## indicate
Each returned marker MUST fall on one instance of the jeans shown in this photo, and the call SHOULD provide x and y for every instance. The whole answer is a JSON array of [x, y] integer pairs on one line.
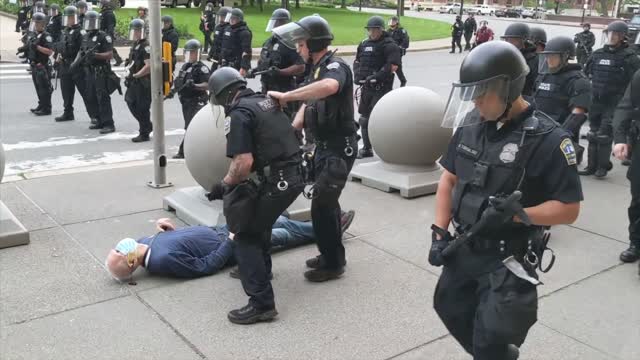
[[291, 233]]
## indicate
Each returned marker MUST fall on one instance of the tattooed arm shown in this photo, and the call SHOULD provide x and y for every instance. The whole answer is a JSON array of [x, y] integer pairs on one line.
[[239, 169]]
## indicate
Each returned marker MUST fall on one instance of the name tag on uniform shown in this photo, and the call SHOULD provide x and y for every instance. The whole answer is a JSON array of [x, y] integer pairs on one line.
[[227, 125], [276, 47], [544, 86], [605, 62], [189, 69], [227, 33], [217, 32], [267, 104], [368, 48], [71, 32], [467, 150]]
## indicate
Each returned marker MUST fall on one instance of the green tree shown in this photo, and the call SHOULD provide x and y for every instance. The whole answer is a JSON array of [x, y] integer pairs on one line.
[[604, 7]]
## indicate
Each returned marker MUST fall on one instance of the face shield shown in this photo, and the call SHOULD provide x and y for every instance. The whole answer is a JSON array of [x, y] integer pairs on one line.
[[373, 33], [209, 7], [68, 20], [38, 8], [290, 34], [551, 63], [472, 103], [637, 40], [53, 12], [227, 18], [393, 23], [612, 38], [32, 26], [136, 34], [191, 56], [272, 24], [91, 24]]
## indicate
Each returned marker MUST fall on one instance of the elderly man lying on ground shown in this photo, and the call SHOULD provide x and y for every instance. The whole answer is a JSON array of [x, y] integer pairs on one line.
[[195, 251]]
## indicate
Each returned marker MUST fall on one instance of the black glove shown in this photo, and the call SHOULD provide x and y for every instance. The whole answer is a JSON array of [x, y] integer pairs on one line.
[[435, 253], [216, 192], [188, 84], [127, 62], [371, 79], [250, 74], [273, 71]]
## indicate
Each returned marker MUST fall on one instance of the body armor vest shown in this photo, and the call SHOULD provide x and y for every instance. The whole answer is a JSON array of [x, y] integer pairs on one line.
[[231, 46], [271, 55], [371, 58], [552, 94], [607, 73], [90, 40], [137, 56], [187, 72], [35, 56], [72, 41], [274, 137]]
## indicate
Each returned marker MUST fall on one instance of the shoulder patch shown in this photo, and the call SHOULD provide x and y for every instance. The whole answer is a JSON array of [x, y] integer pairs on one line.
[[204, 69], [404, 31], [94, 39], [333, 65], [147, 49], [49, 38], [108, 38], [83, 32], [566, 146], [227, 125]]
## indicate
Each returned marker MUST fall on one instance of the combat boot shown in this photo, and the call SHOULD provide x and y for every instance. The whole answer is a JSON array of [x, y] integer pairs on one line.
[[592, 155], [323, 274], [140, 138], [251, 315], [365, 153], [42, 112], [604, 163], [35, 109], [632, 254], [107, 129], [513, 353], [65, 117]]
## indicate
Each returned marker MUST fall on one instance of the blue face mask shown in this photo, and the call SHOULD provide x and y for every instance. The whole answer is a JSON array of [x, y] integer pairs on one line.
[[126, 246]]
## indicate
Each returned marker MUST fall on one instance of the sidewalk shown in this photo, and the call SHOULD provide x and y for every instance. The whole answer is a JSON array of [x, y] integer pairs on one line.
[[58, 302]]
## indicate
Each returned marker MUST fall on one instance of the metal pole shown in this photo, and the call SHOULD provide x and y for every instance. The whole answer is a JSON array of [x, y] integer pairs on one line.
[[615, 8], [360, 6], [157, 84]]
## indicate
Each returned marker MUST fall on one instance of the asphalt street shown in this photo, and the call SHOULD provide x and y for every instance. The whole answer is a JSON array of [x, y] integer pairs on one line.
[[37, 144]]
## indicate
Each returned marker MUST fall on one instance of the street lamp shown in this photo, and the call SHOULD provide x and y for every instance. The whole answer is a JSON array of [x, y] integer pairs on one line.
[[584, 9]]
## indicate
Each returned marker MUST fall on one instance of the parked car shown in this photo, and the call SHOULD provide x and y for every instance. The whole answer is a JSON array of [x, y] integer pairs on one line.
[[528, 13], [634, 28], [450, 8], [174, 3], [482, 10], [500, 13], [512, 13]]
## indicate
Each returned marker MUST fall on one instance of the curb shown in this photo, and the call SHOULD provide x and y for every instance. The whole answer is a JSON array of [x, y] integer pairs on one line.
[[15, 17]]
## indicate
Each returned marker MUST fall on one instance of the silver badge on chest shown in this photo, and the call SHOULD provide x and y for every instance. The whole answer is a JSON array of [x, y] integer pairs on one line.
[[509, 152]]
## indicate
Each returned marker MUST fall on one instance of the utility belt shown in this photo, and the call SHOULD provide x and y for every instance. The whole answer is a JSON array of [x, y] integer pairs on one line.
[[39, 66], [280, 174], [346, 145]]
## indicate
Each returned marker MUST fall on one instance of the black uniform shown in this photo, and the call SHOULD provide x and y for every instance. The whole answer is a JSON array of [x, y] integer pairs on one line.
[[192, 99], [236, 40], [470, 27], [476, 294], [256, 125], [22, 24], [274, 53], [170, 35], [215, 53], [610, 69], [40, 69], [627, 128], [331, 122], [96, 73], [530, 55], [456, 35], [81, 19], [55, 27], [138, 95], [584, 45], [401, 37], [374, 59], [108, 25], [210, 22], [72, 79]]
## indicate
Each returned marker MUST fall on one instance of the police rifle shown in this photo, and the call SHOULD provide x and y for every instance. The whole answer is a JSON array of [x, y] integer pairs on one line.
[[173, 91], [510, 206], [80, 58]]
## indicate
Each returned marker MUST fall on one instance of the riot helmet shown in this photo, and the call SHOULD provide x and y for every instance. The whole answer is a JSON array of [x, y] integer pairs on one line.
[[91, 21], [538, 36], [492, 77], [278, 17], [221, 17], [82, 6], [208, 7], [70, 16], [38, 22], [136, 29], [375, 27], [105, 3], [167, 21], [314, 30], [38, 6], [615, 33], [236, 15], [556, 55], [224, 83], [192, 51], [517, 34], [54, 10], [394, 22]]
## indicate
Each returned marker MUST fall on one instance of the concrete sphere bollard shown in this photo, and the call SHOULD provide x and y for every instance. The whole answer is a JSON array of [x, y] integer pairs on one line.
[[1, 162], [404, 127], [205, 147]]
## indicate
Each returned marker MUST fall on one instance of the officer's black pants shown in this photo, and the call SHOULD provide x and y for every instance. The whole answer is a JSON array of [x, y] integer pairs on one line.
[[98, 93], [325, 207], [455, 41], [207, 40], [42, 81], [484, 311], [633, 174], [252, 248], [138, 98], [401, 77], [467, 40], [116, 56], [190, 108], [368, 99], [582, 56], [601, 127], [69, 81]]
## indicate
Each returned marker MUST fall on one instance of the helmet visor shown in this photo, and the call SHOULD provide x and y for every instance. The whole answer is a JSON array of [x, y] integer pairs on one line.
[[472, 103], [612, 38], [191, 56], [53, 12], [637, 40], [32, 26], [270, 25], [91, 24], [68, 20], [136, 34], [228, 17], [551, 63], [290, 34]]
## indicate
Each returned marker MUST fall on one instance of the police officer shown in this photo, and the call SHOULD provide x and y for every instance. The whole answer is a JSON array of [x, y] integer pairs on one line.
[[281, 62], [377, 58], [610, 69], [626, 123], [236, 43], [260, 139], [39, 50], [538, 37], [470, 27], [95, 55], [108, 25], [518, 34], [54, 28], [170, 35], [222, 27], [585, 41], [401, 37], [328, 112], [22, 23], [563, 91], [143, 15], [456, 34], [70, 80], [207, 23], [502, 151], [82, 10], [138, 81], [191, 86]]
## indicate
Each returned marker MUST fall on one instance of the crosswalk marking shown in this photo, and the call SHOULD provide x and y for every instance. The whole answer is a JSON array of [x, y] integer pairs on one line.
[[17, 71]]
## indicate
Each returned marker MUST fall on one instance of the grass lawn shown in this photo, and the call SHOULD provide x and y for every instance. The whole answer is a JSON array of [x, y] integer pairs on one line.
[[347, 26]]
